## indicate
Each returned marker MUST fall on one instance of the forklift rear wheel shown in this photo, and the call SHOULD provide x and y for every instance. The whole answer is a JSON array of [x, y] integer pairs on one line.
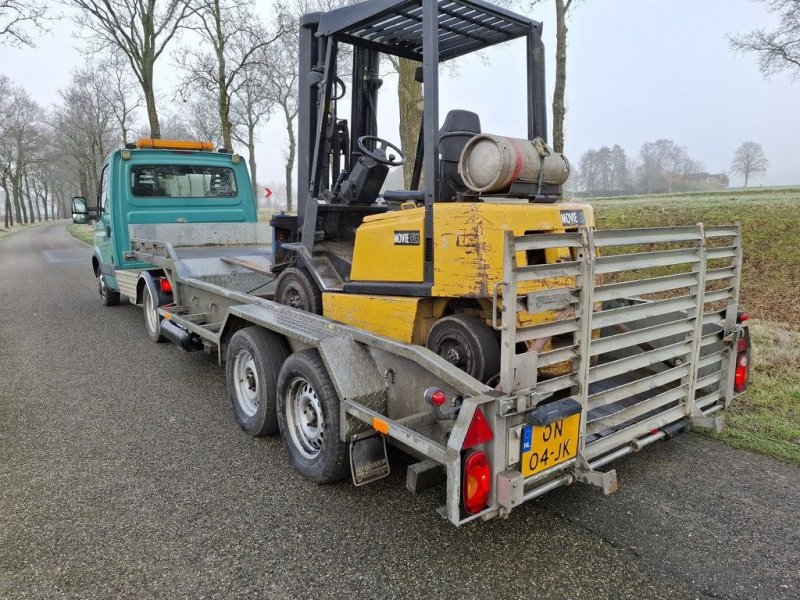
[[152, 320], [110, 297], [253, 361], [468, 343], [296, 288], [309, 419]]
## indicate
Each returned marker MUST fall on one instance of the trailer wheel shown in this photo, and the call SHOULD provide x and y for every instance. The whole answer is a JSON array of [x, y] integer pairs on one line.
[[253, 362], [297, 288], [308, 414], [110, 297], [152, 320], [468, 343]]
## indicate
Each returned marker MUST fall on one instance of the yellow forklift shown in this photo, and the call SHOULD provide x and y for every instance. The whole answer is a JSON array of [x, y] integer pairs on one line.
[[422, 265]]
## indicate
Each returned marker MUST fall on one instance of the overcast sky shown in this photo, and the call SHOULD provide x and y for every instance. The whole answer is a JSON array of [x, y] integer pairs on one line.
[[638, 70]]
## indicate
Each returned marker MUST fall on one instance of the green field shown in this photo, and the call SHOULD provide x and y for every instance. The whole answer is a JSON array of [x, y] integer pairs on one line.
[[767, 417]]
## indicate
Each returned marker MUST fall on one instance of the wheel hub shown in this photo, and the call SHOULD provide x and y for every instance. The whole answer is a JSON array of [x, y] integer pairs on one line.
[[305, 418], [246, 382]]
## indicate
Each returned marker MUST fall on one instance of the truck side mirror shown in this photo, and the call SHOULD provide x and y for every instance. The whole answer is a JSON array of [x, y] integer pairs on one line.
[[80, 210]]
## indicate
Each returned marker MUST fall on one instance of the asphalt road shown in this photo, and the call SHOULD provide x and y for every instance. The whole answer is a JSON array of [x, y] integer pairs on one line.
[[122, 473]]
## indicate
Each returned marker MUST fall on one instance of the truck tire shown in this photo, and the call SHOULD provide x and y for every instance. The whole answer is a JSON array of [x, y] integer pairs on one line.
[[297, 288], [252, 365], [110, 297], [309, 419], [152, 320], [468, 343]]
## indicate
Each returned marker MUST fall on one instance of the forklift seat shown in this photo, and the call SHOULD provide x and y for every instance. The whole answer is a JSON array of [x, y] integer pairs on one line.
[[458, 128]]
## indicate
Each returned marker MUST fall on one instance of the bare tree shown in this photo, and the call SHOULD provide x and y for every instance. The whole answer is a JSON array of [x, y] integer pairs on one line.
[[282, 86], [777, 49], [252, 103], [141, 29], [749, 161], [18, 147], [563, 8], [17, 17], [87, 125], [121, 93], [236, 35]]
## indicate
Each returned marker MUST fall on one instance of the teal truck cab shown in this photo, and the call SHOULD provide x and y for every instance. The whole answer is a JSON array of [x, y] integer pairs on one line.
[[160, 181]]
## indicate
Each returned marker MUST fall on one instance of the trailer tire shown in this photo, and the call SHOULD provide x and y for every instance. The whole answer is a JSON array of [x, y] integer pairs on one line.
[[110, 297], [152, 320], [297, 288], [253, 361], [467, 342], [309, 418]]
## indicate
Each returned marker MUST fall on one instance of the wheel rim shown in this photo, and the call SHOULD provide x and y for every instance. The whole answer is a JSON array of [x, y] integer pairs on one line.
[[456, 351], [150, 314], [246, 382], [101, 286], [304, 417], [294, 297]]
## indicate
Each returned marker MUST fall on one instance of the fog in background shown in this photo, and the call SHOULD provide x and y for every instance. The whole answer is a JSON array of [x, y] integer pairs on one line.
[[638, 70]]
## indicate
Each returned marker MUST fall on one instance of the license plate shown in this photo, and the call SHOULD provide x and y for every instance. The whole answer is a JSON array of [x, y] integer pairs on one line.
[[545, 446]]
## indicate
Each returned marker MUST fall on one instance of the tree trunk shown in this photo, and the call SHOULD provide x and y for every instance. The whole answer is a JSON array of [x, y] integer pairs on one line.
[[289, 158], [746, 178], [44, 200], [409, 96], [150, 101], [251, 160], [559, 104], [32, 201], [19, 203]]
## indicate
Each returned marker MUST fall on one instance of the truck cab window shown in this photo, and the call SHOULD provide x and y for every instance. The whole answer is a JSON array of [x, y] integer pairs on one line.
[[182, 181]]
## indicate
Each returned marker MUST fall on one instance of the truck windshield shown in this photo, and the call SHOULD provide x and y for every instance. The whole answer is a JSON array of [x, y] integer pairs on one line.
[[182, 181]]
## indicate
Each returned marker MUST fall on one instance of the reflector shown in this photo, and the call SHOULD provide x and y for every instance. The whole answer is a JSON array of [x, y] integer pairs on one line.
[[478, 432], [166, 286]]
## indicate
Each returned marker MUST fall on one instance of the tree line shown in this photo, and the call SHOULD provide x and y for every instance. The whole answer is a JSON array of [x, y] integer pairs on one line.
[[661, 167]]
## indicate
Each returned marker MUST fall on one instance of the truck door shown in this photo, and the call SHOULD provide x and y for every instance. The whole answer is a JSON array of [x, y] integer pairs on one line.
[[102, 228]]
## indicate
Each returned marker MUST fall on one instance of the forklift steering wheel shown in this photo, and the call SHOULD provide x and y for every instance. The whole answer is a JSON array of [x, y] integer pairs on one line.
[[380, 154]]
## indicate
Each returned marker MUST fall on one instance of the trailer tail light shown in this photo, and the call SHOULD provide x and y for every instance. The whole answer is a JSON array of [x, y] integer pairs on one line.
[[742, 370], [476, 482], [166, 286], [742, 316]]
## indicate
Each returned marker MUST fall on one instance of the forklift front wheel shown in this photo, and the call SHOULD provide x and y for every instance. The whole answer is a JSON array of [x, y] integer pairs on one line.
[[468, 343], [309, 418], [296, 288]]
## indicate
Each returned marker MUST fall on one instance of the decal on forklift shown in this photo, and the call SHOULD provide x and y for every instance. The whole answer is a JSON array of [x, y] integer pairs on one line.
[[572, 218], [406, 238]]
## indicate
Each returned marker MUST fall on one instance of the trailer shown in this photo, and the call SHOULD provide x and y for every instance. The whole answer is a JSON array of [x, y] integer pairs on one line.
[[647, 323]]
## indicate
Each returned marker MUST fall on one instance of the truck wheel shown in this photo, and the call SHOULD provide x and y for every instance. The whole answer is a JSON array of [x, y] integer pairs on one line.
[[468, 343], [152, 320], [110, 297], [253, 362], [296, 288], [308, 415]]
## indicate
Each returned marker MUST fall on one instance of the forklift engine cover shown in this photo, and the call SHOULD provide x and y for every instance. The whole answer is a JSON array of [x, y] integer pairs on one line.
[[492, 163]]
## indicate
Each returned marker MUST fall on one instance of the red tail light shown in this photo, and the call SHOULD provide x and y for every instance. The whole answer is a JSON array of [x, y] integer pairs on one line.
[[166, 286], [476, 482], [740, 376]]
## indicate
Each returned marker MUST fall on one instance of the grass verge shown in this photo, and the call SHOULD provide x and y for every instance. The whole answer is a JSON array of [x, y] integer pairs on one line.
[[767, 418], [84, 233], [4, 233]]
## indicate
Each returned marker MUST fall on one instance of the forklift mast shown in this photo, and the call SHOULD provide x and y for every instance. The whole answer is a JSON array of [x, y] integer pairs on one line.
[[427, 31]]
